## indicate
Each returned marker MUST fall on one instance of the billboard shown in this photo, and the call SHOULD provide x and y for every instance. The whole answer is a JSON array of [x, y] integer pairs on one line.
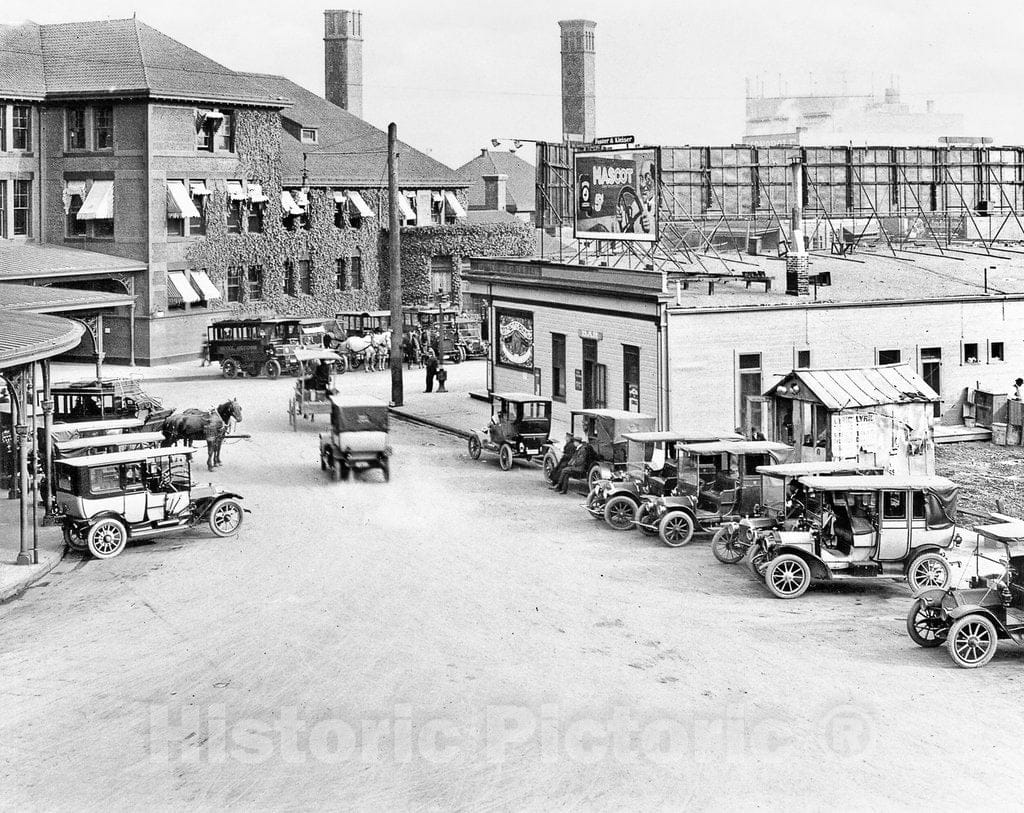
[[616, 194]]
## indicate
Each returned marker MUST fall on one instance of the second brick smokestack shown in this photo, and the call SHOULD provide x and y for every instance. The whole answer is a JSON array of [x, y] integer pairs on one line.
[[343, 59], [797, 261]]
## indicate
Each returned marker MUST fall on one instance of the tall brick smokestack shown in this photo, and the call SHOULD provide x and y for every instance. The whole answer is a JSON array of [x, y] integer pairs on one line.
[[343, 59], [578, 113], [797, 261]]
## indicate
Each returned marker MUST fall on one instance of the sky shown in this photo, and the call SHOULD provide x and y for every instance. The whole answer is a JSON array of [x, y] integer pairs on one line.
[[453, 74]]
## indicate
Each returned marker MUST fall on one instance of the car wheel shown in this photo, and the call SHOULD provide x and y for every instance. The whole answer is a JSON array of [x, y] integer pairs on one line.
[[755, 561], [593, 475], [272, 369], [676, 529], [926, 624], [619, 513], [343, 471], [73, 539], [592, 503], [549, 469], [972, 641], [643, 515], [726, 546], [107, 538], [788, 576], [927, 571], [474, 447], [505, 457], [226, 516], [229, 367]]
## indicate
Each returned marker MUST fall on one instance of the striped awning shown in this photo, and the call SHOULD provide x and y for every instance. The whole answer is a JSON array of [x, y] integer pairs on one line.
[[179, 204], [99, 203], [180, 287]]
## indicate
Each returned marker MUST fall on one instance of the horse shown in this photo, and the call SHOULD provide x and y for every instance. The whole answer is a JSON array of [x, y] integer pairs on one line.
[[196, 424], [358, 347]]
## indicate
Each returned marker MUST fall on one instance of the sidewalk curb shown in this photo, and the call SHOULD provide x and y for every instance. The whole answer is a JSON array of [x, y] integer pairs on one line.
[[409, 417], [16, 590]]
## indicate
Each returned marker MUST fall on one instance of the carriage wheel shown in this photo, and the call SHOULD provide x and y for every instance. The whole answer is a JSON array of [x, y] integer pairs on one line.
[[229, 367], [474, 447], [226, 516], [343, 365], [272, 369], [505, 457], [107, 538], [463, 355]]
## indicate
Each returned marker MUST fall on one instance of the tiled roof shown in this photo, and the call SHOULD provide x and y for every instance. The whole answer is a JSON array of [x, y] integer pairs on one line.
[[28, 336], [45, 299], [19, 260], [21, 62], [520, 188], [117, 57], [349, 150]]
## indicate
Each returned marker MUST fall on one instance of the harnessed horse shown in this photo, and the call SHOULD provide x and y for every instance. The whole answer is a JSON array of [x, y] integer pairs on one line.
[[212, 425]]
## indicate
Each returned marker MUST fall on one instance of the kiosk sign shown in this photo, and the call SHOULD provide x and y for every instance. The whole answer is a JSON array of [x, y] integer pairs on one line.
[[617, 194]]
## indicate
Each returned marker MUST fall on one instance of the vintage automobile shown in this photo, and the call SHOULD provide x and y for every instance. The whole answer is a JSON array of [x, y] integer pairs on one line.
[[469, 327], [307, 401], [650, 470], [255, 346], [603, 429], [780, 505], [862, 526], [972, 620], [443, 325], [107, 500], [519, 428], [358, 439], [717, 483], [361, 323], [98, 444], [106, 399]]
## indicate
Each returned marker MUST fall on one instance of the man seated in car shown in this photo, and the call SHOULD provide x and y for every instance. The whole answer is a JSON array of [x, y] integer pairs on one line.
[[578, 466]]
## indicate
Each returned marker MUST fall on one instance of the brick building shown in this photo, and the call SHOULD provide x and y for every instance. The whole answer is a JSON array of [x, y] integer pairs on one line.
[[209, 190]]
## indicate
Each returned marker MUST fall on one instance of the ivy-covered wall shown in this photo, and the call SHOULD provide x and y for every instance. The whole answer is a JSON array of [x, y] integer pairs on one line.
[[258, 145]]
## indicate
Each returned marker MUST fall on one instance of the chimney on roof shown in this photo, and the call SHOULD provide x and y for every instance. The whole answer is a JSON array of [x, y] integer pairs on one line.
[[495, 192], [578, 111], [343, 59]]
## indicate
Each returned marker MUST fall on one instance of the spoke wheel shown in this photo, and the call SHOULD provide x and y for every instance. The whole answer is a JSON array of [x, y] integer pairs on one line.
[[549, 469], [926, 624], [972, 641], [619, 513], [676, 529], [927, 571], [788, 576], [592, 502], [643, 514], [727, 547], [73, 539], [226, 516], [755, 561], [593, 476], [505, 457], [272, 369], [229, 367], [107, 538], [474, 447]]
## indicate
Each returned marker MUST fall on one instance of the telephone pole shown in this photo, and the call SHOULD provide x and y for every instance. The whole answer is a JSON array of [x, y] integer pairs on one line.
[[395, 258]]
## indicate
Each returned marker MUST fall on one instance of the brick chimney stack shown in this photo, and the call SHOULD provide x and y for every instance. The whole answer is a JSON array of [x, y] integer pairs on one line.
[[578, 110], [797, 261], [495, 192], [343, 59]]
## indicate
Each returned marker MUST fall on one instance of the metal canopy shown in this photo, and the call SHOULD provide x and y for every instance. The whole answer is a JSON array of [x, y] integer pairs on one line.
[[856, 387]]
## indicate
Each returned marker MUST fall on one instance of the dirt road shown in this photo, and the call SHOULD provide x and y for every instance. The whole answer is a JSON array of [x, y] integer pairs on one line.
[[465, 638]]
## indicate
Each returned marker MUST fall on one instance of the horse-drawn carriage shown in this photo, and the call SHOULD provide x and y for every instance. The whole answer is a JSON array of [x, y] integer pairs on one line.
[[362, 339], [267, 346], [311, 396]]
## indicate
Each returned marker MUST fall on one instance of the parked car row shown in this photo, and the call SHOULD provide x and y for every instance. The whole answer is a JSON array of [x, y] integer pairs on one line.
[[791, 523]]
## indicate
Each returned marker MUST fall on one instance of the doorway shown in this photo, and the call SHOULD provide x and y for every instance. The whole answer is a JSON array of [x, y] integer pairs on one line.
[[593, 377]]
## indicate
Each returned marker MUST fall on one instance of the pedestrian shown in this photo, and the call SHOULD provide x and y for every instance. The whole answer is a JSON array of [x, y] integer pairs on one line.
[[431, 369], [1017, 385]]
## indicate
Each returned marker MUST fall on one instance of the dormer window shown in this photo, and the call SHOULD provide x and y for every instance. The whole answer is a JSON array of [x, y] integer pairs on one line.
[[309, 135]]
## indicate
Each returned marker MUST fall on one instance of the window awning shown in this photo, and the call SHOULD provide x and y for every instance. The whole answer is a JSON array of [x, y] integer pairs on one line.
[[215, 117], [435, 197], [198, 188], [256, 194], [72, 188], [179, 204], [207, 290], [405, 208], [453, 202], [301, 198], [180, 285], [99, 203], [340, 197], [235, 191], [288, 204], [360, 204]]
